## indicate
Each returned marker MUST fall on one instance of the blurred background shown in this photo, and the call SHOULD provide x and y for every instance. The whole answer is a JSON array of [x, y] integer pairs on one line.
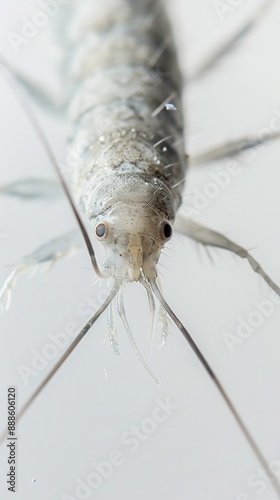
[[102, 428]]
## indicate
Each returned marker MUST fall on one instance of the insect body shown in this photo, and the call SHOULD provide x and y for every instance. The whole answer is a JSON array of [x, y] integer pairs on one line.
[[130, 174]]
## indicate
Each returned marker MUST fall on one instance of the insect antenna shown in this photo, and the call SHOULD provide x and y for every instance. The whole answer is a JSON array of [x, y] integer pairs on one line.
[[62, 359], [249, 438], [116, 284], [53, 161]]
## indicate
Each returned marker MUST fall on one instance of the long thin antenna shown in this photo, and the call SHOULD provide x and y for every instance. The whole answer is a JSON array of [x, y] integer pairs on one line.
[[232, 148], [249, 438], [66, 354], [48, 150]]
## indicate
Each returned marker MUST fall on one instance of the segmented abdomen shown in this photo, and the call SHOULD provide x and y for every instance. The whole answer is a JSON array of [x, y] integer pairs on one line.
[[126, 96]]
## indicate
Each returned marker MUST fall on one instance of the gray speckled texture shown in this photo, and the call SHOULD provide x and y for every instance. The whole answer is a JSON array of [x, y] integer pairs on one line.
[[120, 77]]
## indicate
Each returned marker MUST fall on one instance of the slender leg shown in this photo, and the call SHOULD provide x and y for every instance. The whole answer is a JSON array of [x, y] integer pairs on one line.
[[207, 236], [48, 253], [32, 188], [41, 94], [213, 57], [232, 148]]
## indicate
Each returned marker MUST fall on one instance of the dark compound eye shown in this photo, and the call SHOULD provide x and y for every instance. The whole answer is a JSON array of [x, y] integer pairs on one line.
[[100, 230], [165, 230]]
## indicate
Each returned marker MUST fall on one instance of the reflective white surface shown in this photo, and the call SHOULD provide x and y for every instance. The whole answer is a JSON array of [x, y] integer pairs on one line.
[[92, 406]]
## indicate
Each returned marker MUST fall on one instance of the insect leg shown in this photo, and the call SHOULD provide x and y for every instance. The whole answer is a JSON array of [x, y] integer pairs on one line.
[[35, 89], [212, 58], [49, 252], [210, 237], [232, 148], [32, 188], [65, 355]]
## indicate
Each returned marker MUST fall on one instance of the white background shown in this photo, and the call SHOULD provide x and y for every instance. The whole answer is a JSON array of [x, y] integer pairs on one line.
[[198, 453]]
